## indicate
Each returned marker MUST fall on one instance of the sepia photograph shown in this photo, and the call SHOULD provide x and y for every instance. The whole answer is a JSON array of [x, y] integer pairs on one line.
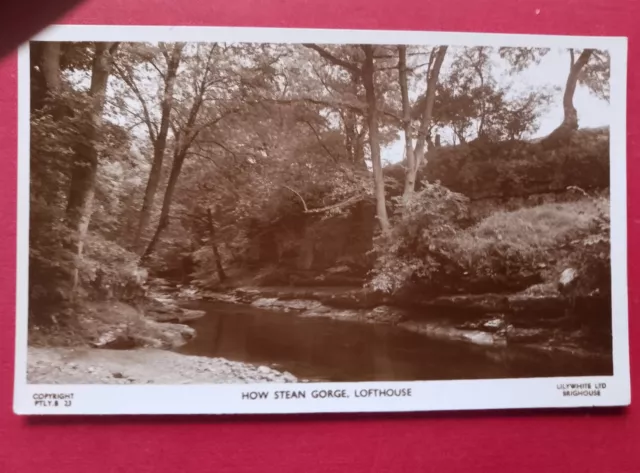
[[268, 209]]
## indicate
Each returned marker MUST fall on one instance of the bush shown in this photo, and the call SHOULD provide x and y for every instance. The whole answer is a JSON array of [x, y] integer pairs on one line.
[[434, 214], [519, 168], [431, 251], [109, 271], [541, 240]]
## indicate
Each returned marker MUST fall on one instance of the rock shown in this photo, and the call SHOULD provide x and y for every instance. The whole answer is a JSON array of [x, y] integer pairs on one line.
[[480, 303], [164, 335], [160, 310], [190, 314], [115, 341], [449, 332], [524, 335], [568, 280], [266, 303], [493, 324], [294, 304], [214, 296], [386, 314], [338, 269], [358, 299], [264, 370], [189, 293]]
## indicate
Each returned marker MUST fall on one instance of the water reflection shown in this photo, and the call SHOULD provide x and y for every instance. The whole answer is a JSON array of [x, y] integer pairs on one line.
[[322, 349]]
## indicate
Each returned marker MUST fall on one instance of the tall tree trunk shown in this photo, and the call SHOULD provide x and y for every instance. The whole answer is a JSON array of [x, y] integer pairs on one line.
[[425, 123], [178, 160], [160, 143], [359, 147], [49, 79], [183, 140], [214, 247], [85, 166], [350, 134], [354, 139], [570, 121], [374, 139], [409, 185], [50, 65]]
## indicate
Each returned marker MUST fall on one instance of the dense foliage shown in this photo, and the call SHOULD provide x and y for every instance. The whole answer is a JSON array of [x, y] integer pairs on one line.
[[514, 168], [507, 251], [209, 164]]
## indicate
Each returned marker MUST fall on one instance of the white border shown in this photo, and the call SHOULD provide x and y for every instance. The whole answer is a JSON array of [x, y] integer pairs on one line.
[[426, 395]]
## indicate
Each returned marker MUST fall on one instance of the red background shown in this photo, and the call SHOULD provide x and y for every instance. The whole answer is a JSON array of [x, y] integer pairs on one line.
[[576, 441]]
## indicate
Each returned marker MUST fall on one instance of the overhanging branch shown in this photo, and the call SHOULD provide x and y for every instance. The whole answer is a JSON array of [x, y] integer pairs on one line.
[[351, 200]]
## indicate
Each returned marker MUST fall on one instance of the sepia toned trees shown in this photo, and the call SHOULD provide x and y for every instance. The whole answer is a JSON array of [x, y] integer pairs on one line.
[[154, 153]]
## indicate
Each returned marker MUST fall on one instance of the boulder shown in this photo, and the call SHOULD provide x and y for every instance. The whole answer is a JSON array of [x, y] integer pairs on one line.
[[567, 281], [165, 335], [493, 325], [286, 305], [115, 341]]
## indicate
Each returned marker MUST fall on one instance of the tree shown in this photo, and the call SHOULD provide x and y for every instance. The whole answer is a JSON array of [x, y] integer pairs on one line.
[[415, 156], [570, 120], [85, 160], [368, 79], [158, 132], [185, 134], [474, 105], [363, 68], [50, 65], [217, 81], [590, 68], [214, 247]]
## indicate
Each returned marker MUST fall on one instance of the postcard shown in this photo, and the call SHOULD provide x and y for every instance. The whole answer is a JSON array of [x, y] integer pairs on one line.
[[265, 220]]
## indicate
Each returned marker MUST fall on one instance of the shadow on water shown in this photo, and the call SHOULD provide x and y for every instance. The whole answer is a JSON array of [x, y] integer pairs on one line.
[[323, 349]]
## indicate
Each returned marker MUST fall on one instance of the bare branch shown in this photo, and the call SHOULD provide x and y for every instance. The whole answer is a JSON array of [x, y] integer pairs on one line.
[[351, 200], [145, 110], [304, 204], [334, 59], [220, 145], [155, 66], [328, 151]]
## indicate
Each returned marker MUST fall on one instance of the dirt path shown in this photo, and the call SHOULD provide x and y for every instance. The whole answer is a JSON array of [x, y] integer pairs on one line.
[[141, 366]]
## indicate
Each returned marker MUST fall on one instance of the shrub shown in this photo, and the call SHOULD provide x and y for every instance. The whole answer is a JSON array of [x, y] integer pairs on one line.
[[431, 250], [540, 240], [434, 214], [108, 270], [518, 168]]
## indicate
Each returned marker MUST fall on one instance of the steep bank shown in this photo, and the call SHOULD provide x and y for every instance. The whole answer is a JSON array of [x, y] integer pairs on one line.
[[305, 249], [142, 366]]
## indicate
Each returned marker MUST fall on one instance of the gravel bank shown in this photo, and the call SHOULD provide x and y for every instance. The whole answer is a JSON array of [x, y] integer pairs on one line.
[[141, 366]]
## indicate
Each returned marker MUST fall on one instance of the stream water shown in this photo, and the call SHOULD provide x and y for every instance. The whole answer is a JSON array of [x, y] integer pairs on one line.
[[323, 349]]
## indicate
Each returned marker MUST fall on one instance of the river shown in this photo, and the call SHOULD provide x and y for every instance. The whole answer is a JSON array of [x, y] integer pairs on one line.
[[324, 349]]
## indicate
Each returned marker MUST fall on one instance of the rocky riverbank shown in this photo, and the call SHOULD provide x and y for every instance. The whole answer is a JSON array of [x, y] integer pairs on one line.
[[82, 365], [539, 317], [116, 343]]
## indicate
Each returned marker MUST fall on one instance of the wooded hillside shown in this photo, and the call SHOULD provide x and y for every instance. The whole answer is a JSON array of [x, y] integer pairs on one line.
[[225, 164]]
